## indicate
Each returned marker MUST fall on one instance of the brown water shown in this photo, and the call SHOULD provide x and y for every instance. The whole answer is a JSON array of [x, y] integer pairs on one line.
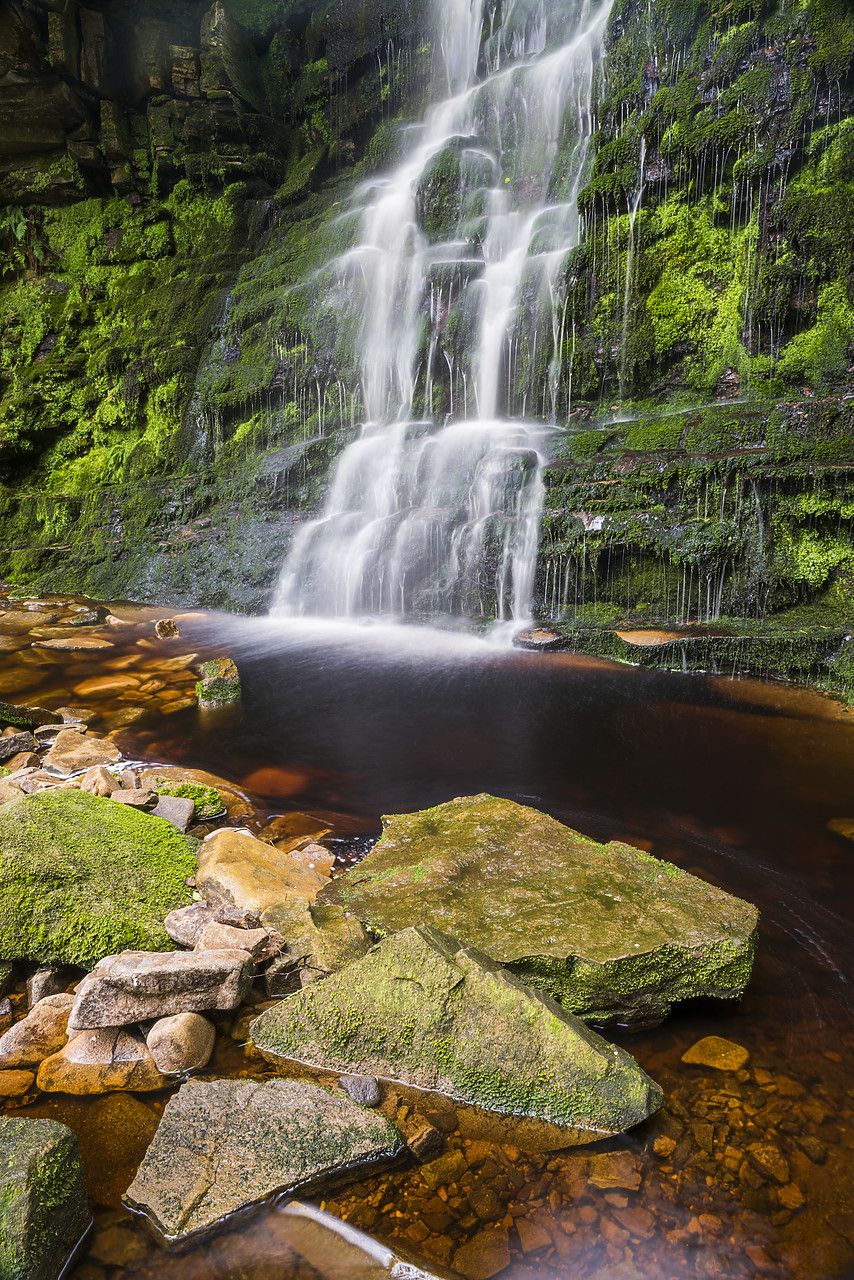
[[740, 1175]]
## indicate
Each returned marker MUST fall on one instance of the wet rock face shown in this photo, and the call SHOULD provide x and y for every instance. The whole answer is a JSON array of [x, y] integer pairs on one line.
[[44, 1210], [422, 1009], [271, 1138], [612, 934], [82, 877]]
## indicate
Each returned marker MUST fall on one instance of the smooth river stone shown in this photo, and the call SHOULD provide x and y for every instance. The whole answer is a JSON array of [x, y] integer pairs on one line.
[[21, 620], [72, 751], [270, 1137], [181, 1043], [43, 1032], [99, 1061], [421, 1009], [138, 985], [715, 1052], [613, 934], [106, 686]]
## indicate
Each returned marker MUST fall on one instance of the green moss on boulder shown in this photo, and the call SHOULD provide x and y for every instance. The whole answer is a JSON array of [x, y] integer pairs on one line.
[[43, 1208], [422, 1009], [612, 934], [81, 878]]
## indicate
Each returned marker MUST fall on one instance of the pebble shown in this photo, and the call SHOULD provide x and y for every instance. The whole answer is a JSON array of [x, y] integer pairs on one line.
[[719, 1054], [362, 1089]]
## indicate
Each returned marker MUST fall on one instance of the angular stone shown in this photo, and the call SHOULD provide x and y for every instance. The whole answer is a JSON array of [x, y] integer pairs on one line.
[[15, 744], [484, 1255], [713, 1051], [138, 985], [98, 781], [316, 857], [770, 1162], [421, 1009], [271, 1138], [44, 1209], [222, 937], [292, 831], [185, 925], [81, 878], [101, 1060], [6, 1018], [611, 1170], [136, 797], [236, 868], [237, 917], [19, 621], [181, 1043], [73, 751], [8, 791], [613, 934], [43, 1032], [75, 643], [425, 1143], [175, 809], [24, 760]]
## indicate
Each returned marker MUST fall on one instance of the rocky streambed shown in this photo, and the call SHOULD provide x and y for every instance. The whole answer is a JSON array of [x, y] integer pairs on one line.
[[186, 986]]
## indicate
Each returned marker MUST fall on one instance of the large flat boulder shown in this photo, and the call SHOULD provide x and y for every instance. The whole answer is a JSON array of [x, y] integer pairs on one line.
[[226, 1144], [422, 1009], [613, 934], [138, 985], [43, 1209], [81, 878]]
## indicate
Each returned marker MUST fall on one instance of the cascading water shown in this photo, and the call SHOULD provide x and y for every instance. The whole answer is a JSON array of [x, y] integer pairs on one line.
[[455, 285]]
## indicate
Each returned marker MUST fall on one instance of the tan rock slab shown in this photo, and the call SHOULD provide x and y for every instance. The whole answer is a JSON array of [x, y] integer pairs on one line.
[[614, 1170], [100, 1061], [186, 924], [136, 796], [293, 831], [43, 1032], [236, 867], [181, 663], [75, 643], [138, 985], [106, 686], [13, 1084], [8, 791], [181, 1043], [24, 760], [21, 681], [715, 1052], [73, 751]]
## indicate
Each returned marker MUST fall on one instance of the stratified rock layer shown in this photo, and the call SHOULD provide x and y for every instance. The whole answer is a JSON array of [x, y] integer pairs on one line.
[[612, 934], [225, 1144], [43, 1210], [81, 878], [422, 1009]]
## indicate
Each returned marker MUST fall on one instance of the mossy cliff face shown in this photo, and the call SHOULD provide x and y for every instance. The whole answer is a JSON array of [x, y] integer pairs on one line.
[[163, 169], [176, 379]]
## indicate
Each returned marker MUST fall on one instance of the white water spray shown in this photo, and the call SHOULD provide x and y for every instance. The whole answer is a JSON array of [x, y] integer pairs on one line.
[[469, 235]]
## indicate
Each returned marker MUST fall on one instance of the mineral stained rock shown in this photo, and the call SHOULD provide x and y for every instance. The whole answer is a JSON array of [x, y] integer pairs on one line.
[[44, 1213], [422, 1009], [81, 878], [138, 985], [225, 1144], [613, 934]]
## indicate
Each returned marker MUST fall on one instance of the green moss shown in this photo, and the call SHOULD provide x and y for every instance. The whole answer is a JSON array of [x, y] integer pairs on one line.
[[83, 878], [208, 802]]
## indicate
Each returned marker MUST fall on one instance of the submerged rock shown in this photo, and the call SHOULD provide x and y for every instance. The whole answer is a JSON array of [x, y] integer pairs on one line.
[[713, 1051], [44, 1213], [612, 934], [226, 1144], [422, 1009], [81, 878]]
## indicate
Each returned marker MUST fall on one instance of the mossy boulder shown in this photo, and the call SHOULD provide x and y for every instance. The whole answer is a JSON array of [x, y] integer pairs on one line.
[[424, 1010], [613, 934], [43, 1208], [82, 878]]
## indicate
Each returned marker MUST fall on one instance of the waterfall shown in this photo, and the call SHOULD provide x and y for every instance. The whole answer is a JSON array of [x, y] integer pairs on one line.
[[454, 292]]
